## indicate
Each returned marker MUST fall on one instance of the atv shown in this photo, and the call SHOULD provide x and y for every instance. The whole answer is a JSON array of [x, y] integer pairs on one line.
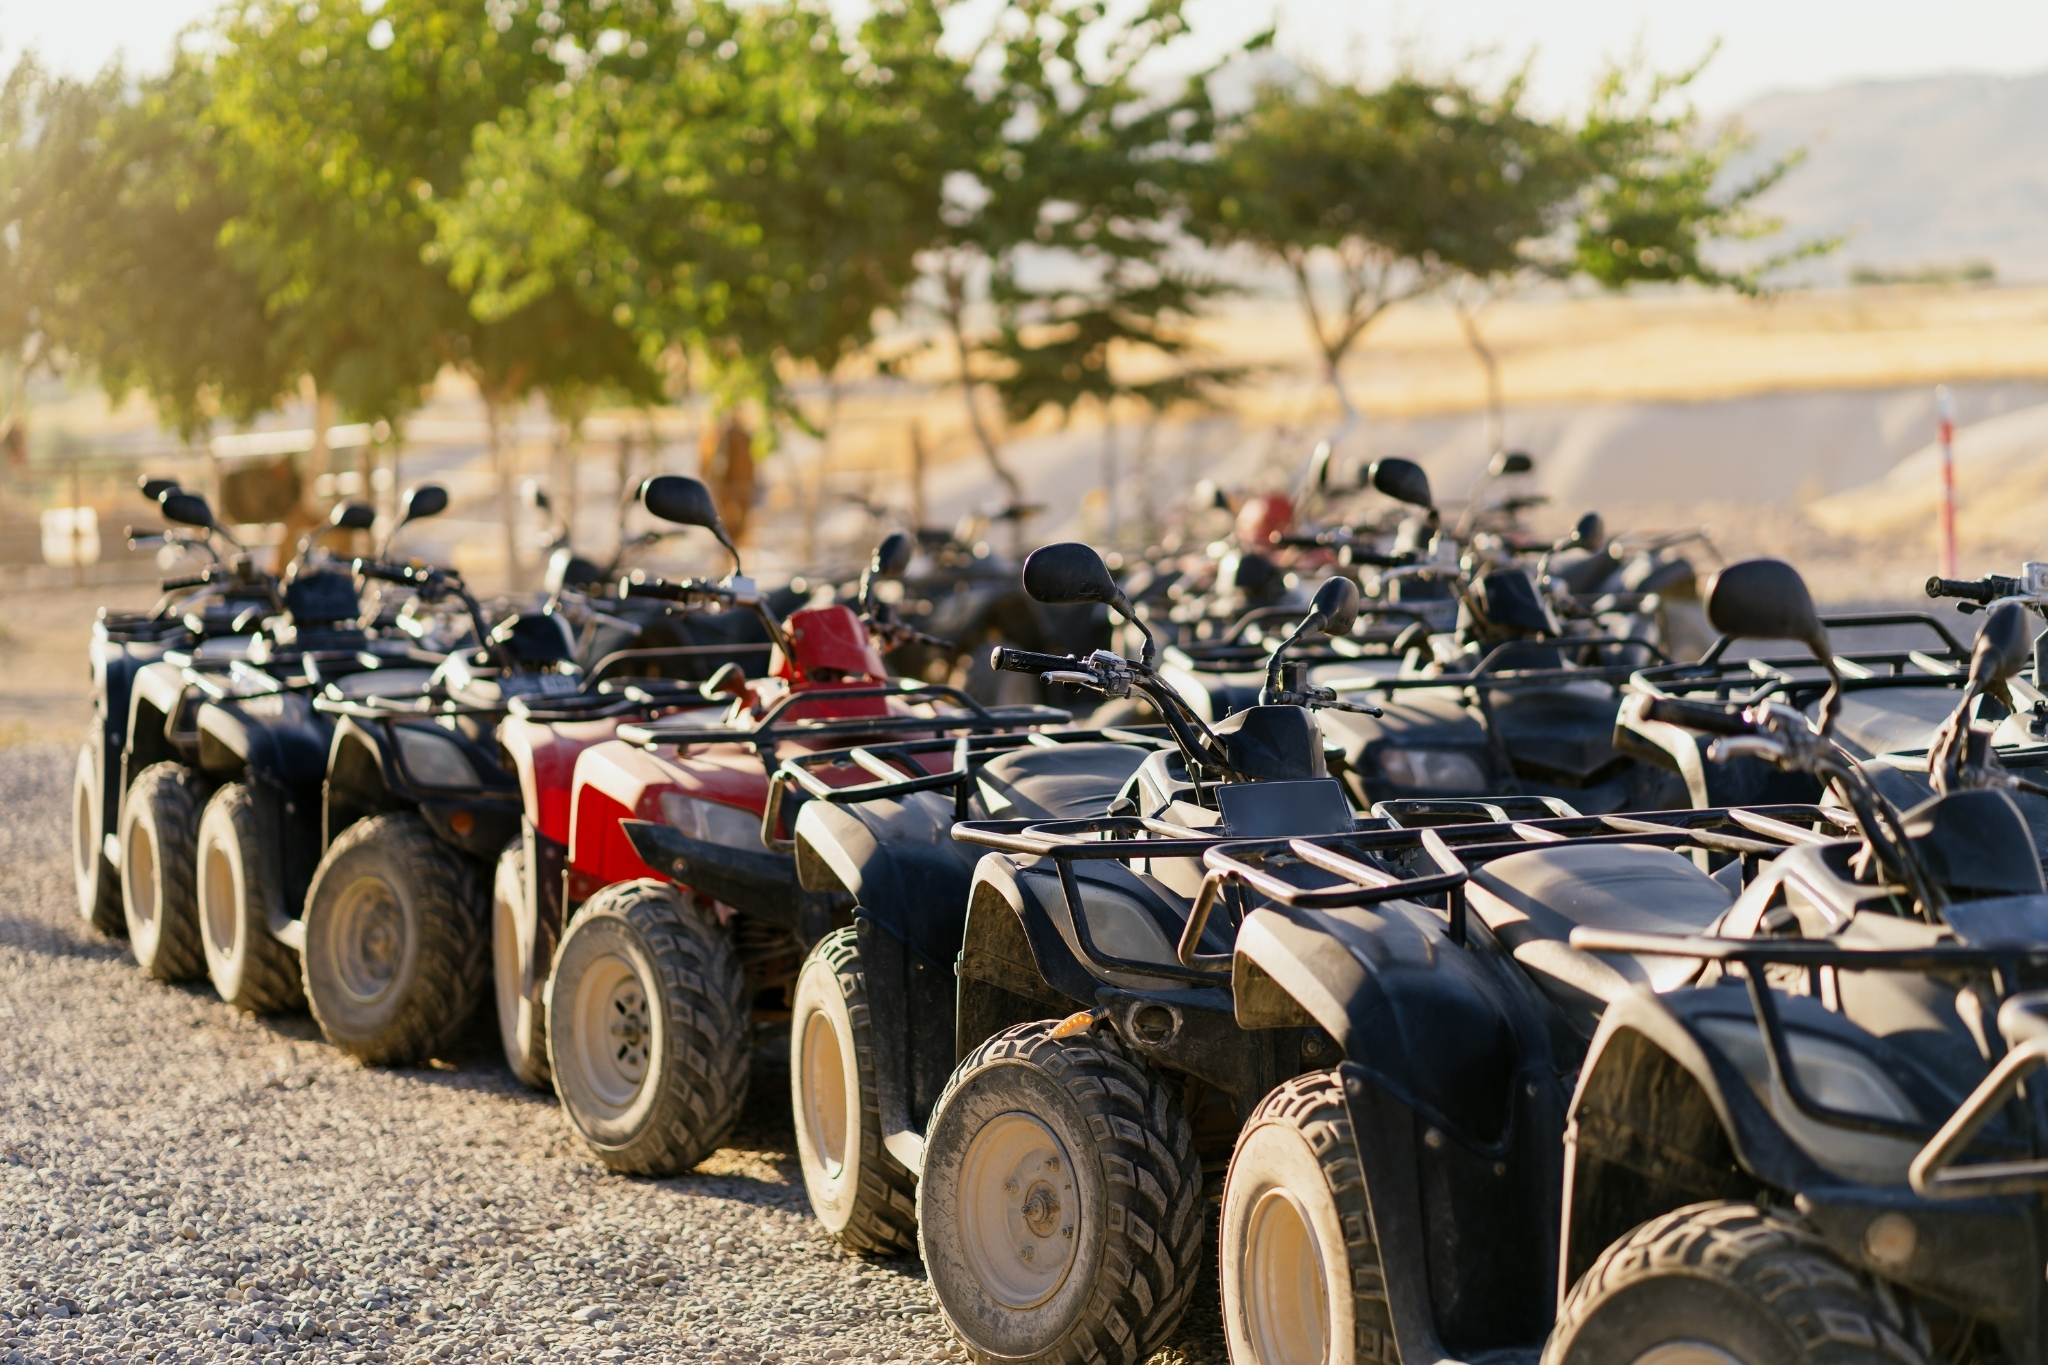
[[666, 878], [198, 613], [1761, 1159], [1106, 1063]]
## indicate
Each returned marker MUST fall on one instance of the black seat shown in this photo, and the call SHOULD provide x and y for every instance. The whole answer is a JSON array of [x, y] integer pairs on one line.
[[1532, 901], [1058, 782]]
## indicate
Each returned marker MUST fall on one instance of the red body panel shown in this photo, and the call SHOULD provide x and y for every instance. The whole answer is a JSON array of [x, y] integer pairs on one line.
[[544, 753], [618, 781]]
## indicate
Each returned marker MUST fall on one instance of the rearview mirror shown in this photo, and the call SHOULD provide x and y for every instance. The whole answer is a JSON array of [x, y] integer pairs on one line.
[[1337, 603], [154, 489], [187, 509], [892, 556], [1589, 534], [427, 500], [683, 501], [1403, 481], [1510, 462], [353, 516], [1067, 574], [1765, 599], [2002, 648], [686, 502]]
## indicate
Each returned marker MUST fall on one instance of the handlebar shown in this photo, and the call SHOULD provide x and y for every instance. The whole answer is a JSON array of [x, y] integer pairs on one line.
[[1984, 590], [195, 580], [389, 573], [1006, 660], [1697, 715], [662, 589]]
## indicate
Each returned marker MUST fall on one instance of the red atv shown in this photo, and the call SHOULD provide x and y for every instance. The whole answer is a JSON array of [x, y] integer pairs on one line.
[[649, 934]]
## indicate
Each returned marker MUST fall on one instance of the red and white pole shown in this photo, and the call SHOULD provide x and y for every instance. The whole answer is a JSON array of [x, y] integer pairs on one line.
[[1945, 410]]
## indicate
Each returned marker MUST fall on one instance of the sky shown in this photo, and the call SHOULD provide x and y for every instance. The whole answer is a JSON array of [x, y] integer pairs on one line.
[[1766, 45]]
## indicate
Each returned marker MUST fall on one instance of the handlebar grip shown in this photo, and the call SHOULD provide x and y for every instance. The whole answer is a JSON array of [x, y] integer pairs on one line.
[[1697, 715], [388, 573], [1987, 589], [655, 588], [1003, 659], [190, 580]]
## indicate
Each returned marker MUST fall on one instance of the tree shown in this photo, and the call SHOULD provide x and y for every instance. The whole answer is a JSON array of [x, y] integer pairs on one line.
[[1065, 222], [114, 207], [344, 124], [745, 182], [1635, 192], [1391, 190]]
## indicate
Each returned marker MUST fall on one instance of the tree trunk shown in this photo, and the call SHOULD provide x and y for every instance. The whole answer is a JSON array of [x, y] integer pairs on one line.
[[501, 469], [1496, 405], [307, 515], [917, 464], [956, 323]]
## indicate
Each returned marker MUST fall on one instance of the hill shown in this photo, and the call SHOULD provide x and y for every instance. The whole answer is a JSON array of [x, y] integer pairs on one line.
[[1931, 171]]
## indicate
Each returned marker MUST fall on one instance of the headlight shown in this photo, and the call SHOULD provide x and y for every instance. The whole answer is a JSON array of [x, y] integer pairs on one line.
[[1432, 770], [711, 822], [432, 761]]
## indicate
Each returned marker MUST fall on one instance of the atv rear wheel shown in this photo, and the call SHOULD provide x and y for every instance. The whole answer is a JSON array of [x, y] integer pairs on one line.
[[159, 834], [649, 1033], [1301, 1269], [99, 884], [1059, 1209], [240, 895], [395, 941], [1724, 1282], [522, 1018], [864, 1196]]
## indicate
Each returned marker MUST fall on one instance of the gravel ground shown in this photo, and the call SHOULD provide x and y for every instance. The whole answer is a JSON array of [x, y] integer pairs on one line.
[[181, 1182]]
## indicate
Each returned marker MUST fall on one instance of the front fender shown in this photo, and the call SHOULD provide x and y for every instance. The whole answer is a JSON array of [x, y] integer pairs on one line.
[[1663, 1117], [899, 862], [278, 738], [1451, 1071]]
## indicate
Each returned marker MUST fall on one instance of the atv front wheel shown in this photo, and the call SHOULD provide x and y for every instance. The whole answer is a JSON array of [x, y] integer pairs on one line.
[[394, 961], [522, 1019], [1301, 1270], [863, 1195], [159, 833], [1059, 1209], [240, 892], [649, 1034], [1731, 1282], [99, 885]]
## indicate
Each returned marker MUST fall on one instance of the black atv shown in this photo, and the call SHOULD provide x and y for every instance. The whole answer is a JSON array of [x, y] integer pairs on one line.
[[641, 636], [1763, 1156], [224, 601], [185, 756]]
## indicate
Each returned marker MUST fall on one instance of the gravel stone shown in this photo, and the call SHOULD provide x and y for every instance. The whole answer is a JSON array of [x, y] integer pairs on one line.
[[181, 1182]]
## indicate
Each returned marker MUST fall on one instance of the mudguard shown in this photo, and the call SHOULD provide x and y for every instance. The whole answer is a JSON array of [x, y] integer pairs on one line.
[[364, 779], [115, 663], [752, 881], [277, 745], [159, 731], [278, 737], [1663, 1117], [1451, 1075], [909, 881]]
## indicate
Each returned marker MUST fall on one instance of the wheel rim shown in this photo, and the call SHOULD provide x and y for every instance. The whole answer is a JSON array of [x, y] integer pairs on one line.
[[1287, 1312], [506, 965], [823, 1070], [84, 840], [218, 899], [368, 935], [1018, 1210], [1685, 1353], [614, 1032], [138, 864]]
